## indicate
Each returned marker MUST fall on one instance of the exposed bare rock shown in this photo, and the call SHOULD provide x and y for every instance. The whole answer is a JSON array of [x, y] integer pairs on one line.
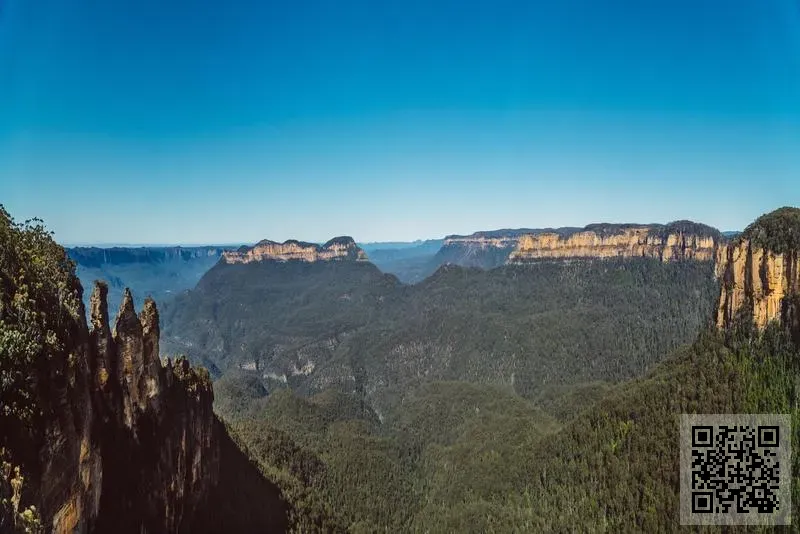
[[338, 248], [129, 445], [629, 242], [482, 242], [760, 274], [150, 384], [679, 240], [101, 338], [757, 281], [96, 436]]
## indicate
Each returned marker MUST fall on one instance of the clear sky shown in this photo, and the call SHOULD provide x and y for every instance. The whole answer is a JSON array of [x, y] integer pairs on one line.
[[164, 121]]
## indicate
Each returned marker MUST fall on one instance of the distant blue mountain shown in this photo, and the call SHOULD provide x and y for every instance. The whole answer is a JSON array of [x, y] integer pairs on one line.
[[157, 272]]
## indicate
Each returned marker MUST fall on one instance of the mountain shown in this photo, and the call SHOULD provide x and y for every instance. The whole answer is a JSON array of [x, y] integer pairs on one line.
[[533, 397], [678, 240], [582, 454], [99, 434], [157, 272], [491, 249], [338, 248], [312, 325], [486, 249], [273, 301], [760, 272]]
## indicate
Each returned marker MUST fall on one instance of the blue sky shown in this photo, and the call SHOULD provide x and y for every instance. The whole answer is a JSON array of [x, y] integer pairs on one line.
[[195, 122]]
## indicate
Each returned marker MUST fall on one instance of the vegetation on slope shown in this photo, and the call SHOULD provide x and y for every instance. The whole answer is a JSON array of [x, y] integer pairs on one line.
[[777, 231], [40, 304], [459, 457], [44, 397], [528, 327], [242, 312]]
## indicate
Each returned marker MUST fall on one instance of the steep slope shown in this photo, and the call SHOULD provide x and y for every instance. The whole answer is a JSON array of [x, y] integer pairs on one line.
[[760, 272], [614, 468], [157, 272], [675, 241], [485, 250], [338, 248], [479, 458], [672, 241], [314, 325], [98, 434], [290, 313]]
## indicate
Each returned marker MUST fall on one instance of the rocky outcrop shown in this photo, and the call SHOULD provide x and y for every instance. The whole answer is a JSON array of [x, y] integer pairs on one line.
[[759, 274], [338, 248], [128, 444], [758, 282], [159, 272], [159, 443], [674, 241], [485, 250], [481, 242], [666, 243]]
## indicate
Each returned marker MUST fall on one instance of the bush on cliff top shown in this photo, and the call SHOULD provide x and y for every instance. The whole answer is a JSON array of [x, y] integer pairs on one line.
[[39, 298], [777, 231]]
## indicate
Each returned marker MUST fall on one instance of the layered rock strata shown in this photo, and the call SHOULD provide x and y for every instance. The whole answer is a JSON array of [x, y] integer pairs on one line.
[[758, 282], [127, 444], [630, 242], [338, 248]]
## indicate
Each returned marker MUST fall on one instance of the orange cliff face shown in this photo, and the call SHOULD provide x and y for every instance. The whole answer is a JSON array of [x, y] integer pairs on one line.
[[629, 242], [759, 273], [757, 280], [339, 248]]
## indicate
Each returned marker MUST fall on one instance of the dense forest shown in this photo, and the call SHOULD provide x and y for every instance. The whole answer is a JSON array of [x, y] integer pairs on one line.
[[531, 398], [529, 327], [777, 231], [480, 456], [461, 457]]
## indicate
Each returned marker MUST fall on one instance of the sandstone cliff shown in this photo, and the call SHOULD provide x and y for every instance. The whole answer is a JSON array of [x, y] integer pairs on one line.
[[677, 241], [485, 250], [338, 248], [759, 272], [128, 444]]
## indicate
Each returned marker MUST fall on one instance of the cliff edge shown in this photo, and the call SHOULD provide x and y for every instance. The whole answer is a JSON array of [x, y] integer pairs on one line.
[[338, 248], [680, 240], [759, 273], [98, 434]]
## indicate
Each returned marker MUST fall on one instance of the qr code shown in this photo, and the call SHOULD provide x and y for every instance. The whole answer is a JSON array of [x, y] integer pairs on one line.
[[735, 469]]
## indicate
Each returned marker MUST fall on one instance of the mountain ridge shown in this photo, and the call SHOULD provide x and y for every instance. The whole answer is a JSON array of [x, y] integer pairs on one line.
[[336, 249]]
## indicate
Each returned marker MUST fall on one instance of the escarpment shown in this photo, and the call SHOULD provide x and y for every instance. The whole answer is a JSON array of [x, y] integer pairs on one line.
[[338, 248], [676, 241], [124, 443], [97, 434], [760, 279], [158, 438], [679, 240], [485, 250]]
